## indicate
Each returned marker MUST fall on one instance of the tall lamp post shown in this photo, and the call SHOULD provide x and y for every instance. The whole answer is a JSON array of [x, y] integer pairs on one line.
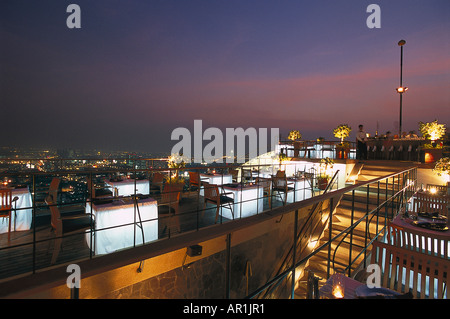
[[401, 89]]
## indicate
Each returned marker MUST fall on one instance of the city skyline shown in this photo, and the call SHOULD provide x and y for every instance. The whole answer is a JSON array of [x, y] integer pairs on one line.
[[137, 70]]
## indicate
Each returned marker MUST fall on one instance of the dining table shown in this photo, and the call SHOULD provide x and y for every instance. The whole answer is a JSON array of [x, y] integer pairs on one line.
[[302, 189], [353, 289], [129, 186], [248, 200], [22, 211], [118, 226], [215, 178], [432, 235]]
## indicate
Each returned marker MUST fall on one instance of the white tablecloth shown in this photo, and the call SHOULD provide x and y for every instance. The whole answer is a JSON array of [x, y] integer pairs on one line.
[[302, 190], [126, 187], [248, 201], [24, 211], [118, 213], [217, 179]]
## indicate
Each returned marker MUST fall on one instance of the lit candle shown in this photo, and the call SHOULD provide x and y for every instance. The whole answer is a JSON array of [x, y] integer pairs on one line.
[[338, 292], [338, 284]]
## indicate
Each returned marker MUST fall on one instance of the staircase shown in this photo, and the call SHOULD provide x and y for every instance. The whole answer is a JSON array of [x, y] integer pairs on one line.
[[365, 200]]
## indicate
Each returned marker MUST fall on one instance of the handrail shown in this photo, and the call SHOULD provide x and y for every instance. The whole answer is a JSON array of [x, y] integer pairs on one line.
[[372, 214], [77, 203], [142, 252], [285, 273], [306, 224]]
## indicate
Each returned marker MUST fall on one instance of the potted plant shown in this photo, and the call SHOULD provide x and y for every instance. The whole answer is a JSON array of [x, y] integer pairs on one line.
[[174, 179], [281, 158], [177, 162], [295, 135], [343, 148], [325, 171], [442, 167], [432, 131]]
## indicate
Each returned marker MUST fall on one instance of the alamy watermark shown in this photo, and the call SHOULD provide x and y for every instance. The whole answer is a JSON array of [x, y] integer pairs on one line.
[[374, 19], [74, 279], [222, 147], [374, 279], [73, 21]]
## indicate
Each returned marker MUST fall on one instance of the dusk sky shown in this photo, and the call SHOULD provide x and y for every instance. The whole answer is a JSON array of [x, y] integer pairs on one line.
[[136, 70]]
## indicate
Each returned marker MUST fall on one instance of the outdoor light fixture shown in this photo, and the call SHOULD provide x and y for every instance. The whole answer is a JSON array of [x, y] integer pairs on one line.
[[191, 251], [401, 89], [194, 250]]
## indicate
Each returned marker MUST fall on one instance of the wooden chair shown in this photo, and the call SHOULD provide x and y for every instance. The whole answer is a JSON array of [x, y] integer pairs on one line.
[[53, 188], [280, 174], [406, 270], [246, 175], [66, 225], [427, 203], [157, 182], [97, 192], [234, 175], [169, 204], [280, 184], [6, 207], [194, 181], [213, 195], [371, 151], [417, 240]]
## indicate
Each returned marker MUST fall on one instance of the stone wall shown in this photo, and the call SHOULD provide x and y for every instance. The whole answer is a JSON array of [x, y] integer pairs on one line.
[[206, 278]]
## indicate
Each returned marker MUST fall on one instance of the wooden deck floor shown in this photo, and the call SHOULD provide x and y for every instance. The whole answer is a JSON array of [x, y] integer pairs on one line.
[[35, 246]]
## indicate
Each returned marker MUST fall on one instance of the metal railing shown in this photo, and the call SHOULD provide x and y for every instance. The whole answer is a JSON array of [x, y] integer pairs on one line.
[[395, 194], [305, 234], [73, 195]]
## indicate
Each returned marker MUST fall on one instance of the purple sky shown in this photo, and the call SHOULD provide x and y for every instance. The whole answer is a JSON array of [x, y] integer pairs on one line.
[[136, 70]]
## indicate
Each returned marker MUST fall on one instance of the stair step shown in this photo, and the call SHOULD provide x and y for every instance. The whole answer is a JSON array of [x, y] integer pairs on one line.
[[363, 200]]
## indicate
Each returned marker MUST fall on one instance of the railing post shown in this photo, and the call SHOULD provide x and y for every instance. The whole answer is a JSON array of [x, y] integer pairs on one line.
[[330, 229], [294, 255], [34, 224], [91, 235], [393, 197], [367, 224], [378, 205], [386, 206], [228, 268], [351, 232], [75, 293]]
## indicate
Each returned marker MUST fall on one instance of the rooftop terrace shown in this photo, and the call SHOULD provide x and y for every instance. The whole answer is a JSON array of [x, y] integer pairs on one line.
[[32, 250]]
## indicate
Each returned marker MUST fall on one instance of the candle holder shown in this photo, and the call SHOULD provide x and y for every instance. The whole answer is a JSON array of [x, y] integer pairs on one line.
[[338, 286]]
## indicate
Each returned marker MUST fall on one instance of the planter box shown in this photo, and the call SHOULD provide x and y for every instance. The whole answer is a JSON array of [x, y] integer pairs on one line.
[[342, 152], [432, 154], [322, 183]]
